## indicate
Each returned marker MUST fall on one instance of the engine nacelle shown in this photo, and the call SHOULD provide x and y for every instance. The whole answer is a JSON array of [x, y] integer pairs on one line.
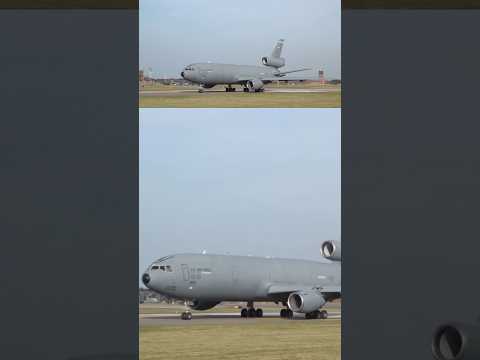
[[202, 305], [273, 61], [331, 250], [255, 84], [452, 341], [305, 301]]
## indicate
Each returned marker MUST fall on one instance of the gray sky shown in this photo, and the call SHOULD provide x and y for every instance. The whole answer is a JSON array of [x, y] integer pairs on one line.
[[176, 33], [241, 181]]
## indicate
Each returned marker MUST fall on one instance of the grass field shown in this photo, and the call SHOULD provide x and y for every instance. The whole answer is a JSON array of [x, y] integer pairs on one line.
[[265, 339], [245, 100]]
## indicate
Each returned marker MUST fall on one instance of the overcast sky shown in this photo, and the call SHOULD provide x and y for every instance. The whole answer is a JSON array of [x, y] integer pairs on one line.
[[241, 181], [176, 33]]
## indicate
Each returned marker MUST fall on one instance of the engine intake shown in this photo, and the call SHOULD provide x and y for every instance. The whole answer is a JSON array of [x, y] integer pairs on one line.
[[331, 250], [305, 301], [273, 61], [255, 84], [455, 341]]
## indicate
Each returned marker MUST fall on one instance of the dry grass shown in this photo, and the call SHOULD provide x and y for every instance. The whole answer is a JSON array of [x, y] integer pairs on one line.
[[266, 339], [245, 100]]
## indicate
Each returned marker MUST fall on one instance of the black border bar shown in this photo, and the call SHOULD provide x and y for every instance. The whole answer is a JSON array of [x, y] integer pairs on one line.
[[410, 4], [69, 4]]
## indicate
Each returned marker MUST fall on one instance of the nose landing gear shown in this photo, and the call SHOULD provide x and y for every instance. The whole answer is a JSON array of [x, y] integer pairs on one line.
[[186, 315]]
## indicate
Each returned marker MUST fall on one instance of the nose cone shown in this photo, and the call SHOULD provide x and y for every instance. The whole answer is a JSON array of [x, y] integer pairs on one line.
[[145, 279]]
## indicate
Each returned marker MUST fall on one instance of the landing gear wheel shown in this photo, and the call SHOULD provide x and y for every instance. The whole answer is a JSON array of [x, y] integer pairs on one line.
[[323, 314], [252, 312], [283, 313], [312, 315], [259, 313], [289, 314], [186, 315], [245, 89], [244, 313]]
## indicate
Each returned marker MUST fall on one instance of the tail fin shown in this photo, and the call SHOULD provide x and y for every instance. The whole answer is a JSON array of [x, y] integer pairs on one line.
[[277, 50]]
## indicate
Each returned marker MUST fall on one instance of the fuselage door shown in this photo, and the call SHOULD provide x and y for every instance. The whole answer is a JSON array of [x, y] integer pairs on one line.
[[185, 272]]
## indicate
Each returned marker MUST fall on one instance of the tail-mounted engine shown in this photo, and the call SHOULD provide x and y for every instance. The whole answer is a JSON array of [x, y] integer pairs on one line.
[[331, 250], [455, 341], [276, 62]]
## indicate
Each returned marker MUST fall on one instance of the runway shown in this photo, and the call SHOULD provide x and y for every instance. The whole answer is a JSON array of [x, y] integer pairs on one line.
[[206, 92], [219, 318]]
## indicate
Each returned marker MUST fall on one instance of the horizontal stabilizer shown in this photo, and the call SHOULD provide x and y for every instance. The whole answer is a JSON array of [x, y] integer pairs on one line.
[[283, 73]]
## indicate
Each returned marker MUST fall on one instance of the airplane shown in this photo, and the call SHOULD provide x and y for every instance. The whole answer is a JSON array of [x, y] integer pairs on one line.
[[253, 78], [203, 281]]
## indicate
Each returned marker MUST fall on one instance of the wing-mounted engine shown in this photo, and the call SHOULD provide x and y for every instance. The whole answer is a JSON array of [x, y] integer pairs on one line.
[[202, 305], [255, 84], [273, 62], [331, 250], [305, 301]]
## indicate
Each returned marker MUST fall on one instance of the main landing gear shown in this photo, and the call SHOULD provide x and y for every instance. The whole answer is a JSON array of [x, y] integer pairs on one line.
[[230, 89], [286, 314], [322, 314], [247, 89], [251, 312]]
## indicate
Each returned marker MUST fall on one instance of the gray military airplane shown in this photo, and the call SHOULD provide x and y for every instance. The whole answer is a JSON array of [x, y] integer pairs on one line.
[[204, 281], [251, 77]]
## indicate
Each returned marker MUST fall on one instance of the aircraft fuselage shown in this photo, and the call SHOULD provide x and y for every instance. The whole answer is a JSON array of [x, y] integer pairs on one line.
[[211, 74], [235, 278]]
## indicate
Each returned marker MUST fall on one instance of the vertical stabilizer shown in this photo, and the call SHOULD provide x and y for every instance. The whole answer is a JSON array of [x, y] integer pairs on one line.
[[277, 50]]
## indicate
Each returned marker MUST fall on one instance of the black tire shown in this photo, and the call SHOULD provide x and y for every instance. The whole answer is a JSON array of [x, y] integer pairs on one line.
[[283, 313], [252, 313], [323, 314], [189, 316], [289, 314], [243, 313], [259, 313]]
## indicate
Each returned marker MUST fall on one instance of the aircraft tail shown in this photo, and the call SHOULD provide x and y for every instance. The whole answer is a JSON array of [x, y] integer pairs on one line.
[[277, 50]]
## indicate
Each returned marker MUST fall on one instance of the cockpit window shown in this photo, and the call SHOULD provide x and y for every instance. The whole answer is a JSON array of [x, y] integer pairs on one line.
[[168, 268], [189, 67], [155, 267], [162, 268]]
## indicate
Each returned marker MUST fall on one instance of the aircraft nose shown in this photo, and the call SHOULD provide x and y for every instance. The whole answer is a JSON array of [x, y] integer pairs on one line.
[[145, 279]]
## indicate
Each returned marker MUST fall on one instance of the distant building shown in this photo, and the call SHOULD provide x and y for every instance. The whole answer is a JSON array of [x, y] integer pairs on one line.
[[321, 77], [141, 76]]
